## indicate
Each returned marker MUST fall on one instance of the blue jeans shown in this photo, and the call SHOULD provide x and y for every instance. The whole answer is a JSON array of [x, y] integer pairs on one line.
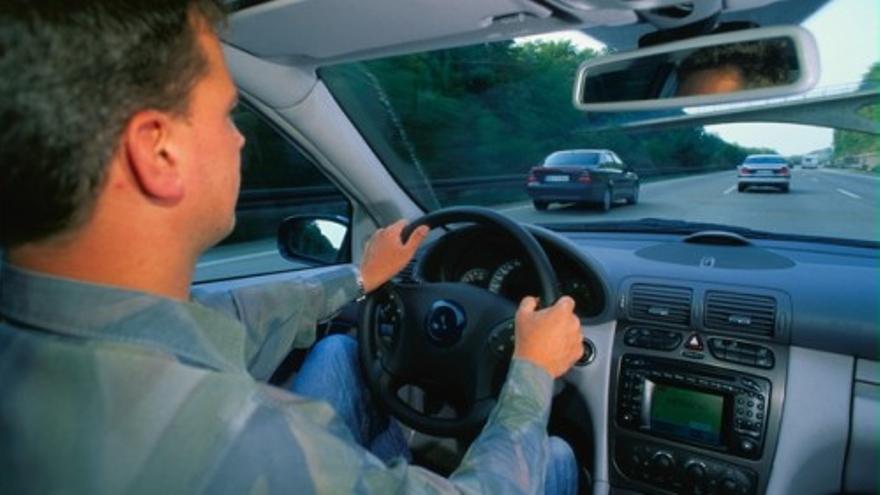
[[332, 372]]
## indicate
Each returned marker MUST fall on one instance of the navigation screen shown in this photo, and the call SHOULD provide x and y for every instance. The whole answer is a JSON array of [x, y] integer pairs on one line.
[[689, 415]]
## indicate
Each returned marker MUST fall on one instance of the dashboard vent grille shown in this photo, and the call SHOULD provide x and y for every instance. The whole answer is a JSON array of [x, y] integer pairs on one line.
[[661, 303], [741, 313]]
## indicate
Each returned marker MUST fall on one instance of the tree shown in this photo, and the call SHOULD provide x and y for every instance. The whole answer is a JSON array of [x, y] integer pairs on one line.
[[498, 109]]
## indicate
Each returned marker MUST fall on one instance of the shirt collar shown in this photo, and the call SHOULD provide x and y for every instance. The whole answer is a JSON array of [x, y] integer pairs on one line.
[[72, 308]]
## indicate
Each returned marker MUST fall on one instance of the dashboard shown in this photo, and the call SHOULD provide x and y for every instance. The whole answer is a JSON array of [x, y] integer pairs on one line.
[[720, 369]]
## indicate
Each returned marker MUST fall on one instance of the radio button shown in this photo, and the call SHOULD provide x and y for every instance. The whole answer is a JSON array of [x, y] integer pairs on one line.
[[747, 446], [750, 384], [729, 487], [693, 355], [764, 362], [741, 353], [650, 338]]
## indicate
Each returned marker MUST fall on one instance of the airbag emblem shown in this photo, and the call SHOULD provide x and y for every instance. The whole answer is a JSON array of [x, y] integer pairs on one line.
[[446, 322]]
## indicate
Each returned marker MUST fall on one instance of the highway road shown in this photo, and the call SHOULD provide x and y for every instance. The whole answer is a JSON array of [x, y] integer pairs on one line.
[[822, 202]]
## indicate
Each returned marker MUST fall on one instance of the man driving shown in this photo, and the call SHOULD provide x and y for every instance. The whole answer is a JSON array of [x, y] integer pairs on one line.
[[119, 166]]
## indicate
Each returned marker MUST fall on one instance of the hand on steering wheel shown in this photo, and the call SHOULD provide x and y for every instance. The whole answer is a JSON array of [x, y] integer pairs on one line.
[[456, 340]]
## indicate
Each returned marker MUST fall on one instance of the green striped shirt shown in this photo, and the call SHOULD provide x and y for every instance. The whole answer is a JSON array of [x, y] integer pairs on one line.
[[106, 390]]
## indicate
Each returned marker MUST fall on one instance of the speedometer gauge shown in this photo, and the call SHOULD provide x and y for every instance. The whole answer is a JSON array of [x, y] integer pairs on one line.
[[475, 276], [501, 273]]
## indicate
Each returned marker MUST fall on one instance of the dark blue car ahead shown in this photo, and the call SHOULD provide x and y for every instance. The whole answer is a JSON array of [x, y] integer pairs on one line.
[[596, 177]]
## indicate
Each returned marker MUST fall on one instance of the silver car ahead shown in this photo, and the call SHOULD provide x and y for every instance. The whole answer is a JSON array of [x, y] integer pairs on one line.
[[764, 170]]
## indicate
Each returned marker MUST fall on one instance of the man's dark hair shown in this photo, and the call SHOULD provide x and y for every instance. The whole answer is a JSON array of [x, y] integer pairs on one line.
[[73, 74], [762, 63]]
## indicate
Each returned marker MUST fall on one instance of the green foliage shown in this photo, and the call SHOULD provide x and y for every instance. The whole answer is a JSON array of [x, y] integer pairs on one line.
[[499, 109], [851, 143]]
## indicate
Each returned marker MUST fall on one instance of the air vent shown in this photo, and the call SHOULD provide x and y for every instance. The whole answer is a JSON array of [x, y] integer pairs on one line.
[[740, 313], [661, 303]]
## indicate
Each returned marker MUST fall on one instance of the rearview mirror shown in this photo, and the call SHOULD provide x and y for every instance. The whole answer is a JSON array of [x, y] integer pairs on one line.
[[316, 238], [722, 68]]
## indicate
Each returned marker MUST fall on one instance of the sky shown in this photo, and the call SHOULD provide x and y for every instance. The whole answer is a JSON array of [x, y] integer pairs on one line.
[[847, 34]]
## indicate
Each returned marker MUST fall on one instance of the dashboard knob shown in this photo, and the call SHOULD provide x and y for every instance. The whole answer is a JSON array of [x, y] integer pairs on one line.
[[662, 463], [695, 472], [695, 477]]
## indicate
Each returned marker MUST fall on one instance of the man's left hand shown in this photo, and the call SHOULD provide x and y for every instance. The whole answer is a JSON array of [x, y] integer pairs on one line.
[[386, 254]]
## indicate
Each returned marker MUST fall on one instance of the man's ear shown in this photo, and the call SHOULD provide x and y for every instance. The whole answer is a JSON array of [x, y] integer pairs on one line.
[[152, 155]]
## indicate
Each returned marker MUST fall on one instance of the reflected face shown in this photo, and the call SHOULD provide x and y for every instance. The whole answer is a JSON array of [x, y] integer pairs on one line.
[[214, 151], [724, 79]]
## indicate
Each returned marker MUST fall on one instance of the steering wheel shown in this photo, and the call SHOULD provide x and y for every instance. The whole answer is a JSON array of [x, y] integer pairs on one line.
[[452, 339]]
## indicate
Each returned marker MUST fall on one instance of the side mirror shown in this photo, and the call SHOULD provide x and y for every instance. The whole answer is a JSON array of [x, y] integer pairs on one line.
[[741, 65], [315, 238]]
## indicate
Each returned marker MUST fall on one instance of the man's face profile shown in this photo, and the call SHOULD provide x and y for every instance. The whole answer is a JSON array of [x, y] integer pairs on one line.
[[213, 146], [724, 79]]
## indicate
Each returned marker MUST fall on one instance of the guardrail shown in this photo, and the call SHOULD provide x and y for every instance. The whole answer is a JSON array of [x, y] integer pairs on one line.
[[297, 196]]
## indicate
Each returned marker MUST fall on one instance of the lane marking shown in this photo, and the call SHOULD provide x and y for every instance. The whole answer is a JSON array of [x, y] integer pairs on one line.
[[729, 189], [236, 258], [847, 193]]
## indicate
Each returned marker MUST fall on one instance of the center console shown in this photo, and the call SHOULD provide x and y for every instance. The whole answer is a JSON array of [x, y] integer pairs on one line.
[[694, 411], [720, 410]]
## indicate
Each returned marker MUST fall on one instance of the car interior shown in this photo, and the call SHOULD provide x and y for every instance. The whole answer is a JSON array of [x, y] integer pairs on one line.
[[730, 340]]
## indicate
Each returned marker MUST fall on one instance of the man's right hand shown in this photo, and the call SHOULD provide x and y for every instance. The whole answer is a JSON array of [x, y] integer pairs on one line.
[[551, 337]]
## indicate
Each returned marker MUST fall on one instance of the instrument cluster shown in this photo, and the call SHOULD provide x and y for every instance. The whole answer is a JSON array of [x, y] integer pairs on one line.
[[490, 263]]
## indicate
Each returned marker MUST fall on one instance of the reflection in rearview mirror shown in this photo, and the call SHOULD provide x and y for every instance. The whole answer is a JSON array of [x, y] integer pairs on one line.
[[737, 67], [748, 64]]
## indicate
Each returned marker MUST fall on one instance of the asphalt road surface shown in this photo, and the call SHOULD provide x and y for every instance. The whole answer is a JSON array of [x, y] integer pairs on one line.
[[821, 202]]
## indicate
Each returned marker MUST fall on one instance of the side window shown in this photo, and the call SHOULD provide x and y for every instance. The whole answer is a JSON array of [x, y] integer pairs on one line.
[[611, 162], [277, 180]]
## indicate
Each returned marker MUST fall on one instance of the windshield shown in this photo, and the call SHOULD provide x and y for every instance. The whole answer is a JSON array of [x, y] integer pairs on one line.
[[474, 125], [764, 159], [578, 159]]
